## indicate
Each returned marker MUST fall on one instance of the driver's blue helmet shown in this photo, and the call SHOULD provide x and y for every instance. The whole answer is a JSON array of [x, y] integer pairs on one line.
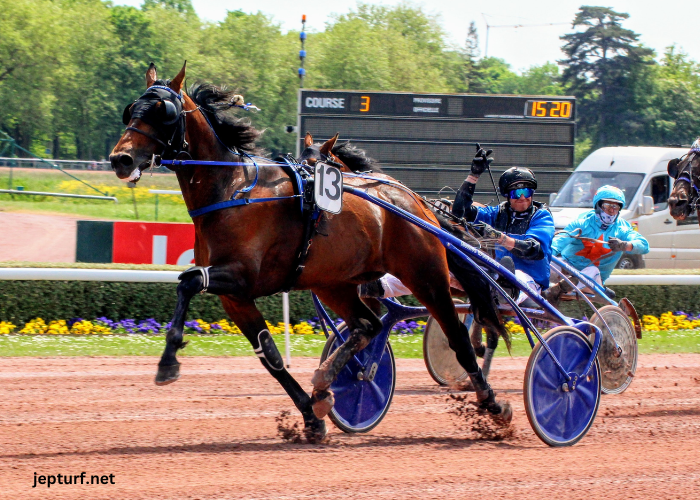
[[609, 193]]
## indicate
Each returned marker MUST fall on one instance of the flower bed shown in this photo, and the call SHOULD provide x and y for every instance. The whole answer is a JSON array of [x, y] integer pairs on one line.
[[104, 326]]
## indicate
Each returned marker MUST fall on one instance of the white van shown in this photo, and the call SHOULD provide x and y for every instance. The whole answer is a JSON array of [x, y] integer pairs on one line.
[[641, 174]]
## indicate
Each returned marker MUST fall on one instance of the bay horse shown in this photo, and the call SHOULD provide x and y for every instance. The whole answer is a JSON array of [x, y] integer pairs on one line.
[[685, 194], [249, 251]]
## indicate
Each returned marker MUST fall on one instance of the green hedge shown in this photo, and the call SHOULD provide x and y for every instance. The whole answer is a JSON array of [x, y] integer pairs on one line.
[[21, 301]]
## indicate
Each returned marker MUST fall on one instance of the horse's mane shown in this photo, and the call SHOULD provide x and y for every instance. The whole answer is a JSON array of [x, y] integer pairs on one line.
[[356, 159], [215, 102]]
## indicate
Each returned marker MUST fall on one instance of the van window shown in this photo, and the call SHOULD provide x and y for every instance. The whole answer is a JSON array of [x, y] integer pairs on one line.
[[658, 188], [579, 189]]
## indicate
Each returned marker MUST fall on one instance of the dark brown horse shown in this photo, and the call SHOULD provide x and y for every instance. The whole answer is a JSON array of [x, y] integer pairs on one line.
[[250, 251], [686, 172]]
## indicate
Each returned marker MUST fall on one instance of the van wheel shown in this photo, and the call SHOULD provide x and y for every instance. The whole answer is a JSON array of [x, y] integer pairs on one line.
[[627, 262]]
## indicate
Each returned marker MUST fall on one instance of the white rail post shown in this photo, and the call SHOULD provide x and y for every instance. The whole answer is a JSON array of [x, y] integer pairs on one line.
[[285, 318]]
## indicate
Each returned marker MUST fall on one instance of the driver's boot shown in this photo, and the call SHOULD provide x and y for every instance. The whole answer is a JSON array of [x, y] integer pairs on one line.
[[553, 293]]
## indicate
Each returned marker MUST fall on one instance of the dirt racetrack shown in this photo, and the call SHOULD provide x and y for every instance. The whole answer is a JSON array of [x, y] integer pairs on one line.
[[37, 237], [213, 435]]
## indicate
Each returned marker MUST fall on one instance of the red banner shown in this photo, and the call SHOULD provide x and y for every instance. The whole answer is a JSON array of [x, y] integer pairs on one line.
[[153, 243]]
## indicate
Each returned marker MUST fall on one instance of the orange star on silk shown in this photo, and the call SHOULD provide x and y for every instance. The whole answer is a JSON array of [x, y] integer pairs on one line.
[[593, 250]]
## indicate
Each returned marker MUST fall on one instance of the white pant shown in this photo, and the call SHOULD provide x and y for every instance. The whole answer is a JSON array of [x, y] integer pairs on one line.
[[531, 284], [591, 271], [394, 288]]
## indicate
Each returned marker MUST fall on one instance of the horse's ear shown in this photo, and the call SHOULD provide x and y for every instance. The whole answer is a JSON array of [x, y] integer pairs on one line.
[[151, 76], [328, 145], [672, 168], [308, 140], [176, 83]]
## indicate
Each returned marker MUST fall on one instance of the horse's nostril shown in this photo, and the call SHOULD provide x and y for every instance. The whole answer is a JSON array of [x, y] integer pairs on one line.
[[126, 160]]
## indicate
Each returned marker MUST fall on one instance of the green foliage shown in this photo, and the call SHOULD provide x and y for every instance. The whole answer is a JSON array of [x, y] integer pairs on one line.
[[21, 301], [68, 68], [603, 62]]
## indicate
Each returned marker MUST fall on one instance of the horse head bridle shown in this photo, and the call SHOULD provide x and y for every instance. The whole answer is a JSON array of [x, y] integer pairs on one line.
[[330, 159], [685, 173], [170, 114]]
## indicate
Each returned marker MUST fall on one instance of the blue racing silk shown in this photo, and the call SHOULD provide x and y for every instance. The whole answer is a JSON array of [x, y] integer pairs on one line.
[[541, 229], [582, 253]]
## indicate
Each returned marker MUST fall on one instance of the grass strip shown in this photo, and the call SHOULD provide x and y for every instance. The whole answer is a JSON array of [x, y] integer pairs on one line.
[[404, 346]]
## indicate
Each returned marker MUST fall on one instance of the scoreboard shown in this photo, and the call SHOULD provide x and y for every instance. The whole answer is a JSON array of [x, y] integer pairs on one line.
[[427, 140]]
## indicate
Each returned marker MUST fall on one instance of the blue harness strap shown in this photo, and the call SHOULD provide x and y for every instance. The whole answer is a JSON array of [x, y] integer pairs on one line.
[[234, 203]]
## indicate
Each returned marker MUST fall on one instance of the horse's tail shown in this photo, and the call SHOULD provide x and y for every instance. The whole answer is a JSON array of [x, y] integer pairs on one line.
[[478, 289]]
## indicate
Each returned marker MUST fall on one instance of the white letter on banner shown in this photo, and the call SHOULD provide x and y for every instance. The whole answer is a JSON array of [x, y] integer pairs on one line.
[[186, 258], [160, 249]]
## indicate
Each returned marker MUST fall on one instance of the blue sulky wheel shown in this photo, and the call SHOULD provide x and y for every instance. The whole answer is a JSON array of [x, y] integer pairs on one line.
[[361, 400], [560, 417]]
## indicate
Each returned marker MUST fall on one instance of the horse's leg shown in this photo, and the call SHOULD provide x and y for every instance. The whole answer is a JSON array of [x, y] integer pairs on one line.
[[475, 333], [248, 318], [491, 345], [218, 280], [169, 366], [438, 301], [227, 280], [363, 325]]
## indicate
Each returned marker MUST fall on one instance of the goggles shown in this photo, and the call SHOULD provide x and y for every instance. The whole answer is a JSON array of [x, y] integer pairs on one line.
[[517, 193], [612, 207]]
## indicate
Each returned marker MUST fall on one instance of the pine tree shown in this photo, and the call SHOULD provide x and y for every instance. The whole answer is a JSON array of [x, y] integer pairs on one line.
[[601, 66]]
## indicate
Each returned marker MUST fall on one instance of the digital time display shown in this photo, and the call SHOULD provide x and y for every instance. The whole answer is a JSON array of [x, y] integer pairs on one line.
[[548, 109]]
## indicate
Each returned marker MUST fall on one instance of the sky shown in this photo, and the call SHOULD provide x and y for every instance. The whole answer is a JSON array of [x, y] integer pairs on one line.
[[659, 24]]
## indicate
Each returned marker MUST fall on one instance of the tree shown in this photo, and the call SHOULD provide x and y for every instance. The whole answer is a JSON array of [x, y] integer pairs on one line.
[[600, 69], [379, 48], [29, 56], [673, 99]]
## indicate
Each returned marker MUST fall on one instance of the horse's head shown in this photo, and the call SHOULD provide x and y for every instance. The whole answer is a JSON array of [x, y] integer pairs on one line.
[[685, 193], [345, 156], [155, 126], [313, 153]]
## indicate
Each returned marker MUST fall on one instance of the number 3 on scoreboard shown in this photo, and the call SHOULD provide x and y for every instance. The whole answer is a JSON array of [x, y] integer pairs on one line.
[[364, 105]]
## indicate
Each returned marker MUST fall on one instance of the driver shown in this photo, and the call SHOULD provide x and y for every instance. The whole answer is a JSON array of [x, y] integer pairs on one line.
[[522, 228], [605, 235]]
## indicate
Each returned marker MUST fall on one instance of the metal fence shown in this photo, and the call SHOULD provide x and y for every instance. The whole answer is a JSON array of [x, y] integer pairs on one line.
[[62, 164]]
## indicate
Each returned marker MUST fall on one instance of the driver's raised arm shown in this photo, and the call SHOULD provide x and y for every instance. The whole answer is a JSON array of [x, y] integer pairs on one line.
[[462, 207]]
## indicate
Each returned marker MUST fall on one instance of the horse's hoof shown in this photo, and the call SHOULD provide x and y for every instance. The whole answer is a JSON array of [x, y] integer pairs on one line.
[[506, 415], [167, 374], [320, 380], [316, 431], [322, 403], [501, 411]]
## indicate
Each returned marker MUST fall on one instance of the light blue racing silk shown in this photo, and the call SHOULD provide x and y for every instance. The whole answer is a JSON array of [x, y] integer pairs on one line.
[[582, 253]]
